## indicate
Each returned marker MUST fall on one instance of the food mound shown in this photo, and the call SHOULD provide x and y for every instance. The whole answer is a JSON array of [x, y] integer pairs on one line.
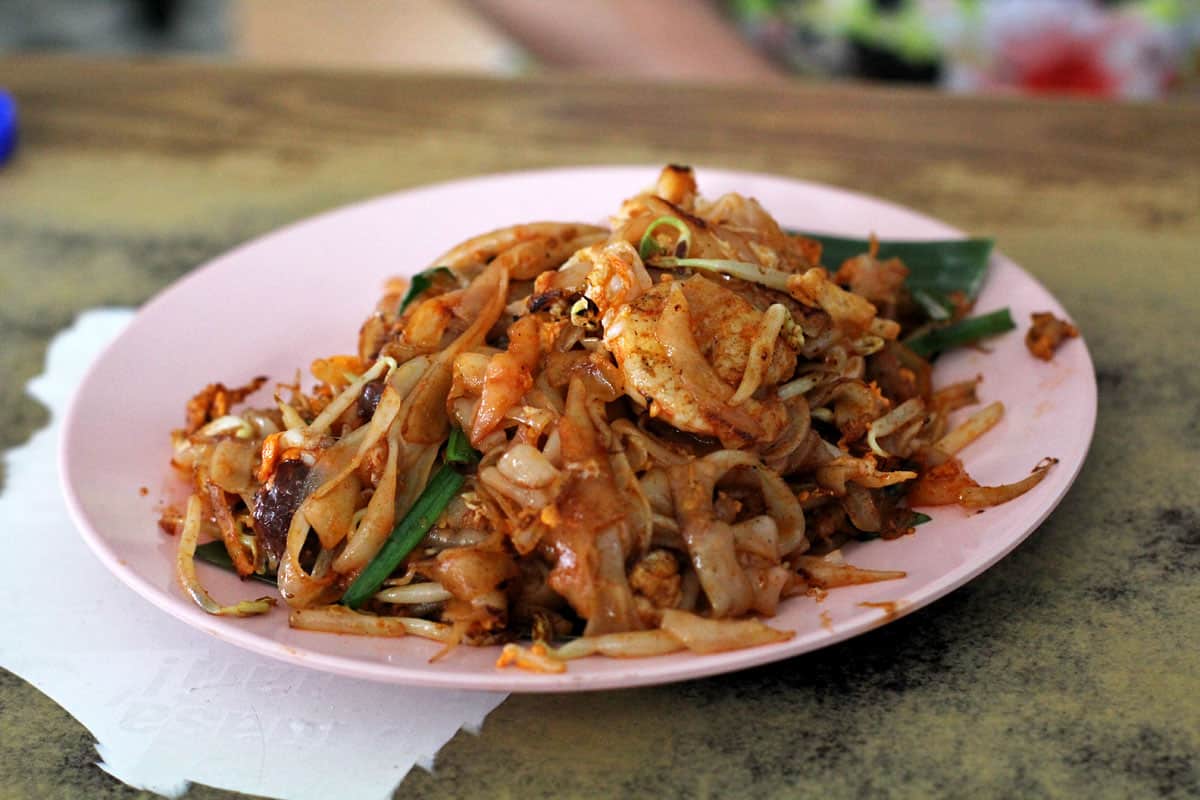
[[626, 441]]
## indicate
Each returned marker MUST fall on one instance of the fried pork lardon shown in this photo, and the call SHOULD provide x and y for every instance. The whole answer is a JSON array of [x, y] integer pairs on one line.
[[1047, 333], [639, 437]]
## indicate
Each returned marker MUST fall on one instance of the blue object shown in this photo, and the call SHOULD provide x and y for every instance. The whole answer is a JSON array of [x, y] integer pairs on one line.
[[8, 125]]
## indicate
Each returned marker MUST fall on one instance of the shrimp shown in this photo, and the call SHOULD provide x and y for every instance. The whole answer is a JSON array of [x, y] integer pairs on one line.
[[509, 376], [683, 347]]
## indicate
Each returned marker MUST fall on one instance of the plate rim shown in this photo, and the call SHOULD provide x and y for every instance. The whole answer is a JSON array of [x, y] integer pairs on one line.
[[638, 672]]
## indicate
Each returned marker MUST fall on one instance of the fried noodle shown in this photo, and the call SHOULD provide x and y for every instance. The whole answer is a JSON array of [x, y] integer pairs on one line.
[[674, 424]]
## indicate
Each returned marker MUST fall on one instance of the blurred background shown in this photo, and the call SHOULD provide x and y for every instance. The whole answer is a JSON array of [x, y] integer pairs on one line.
[[1130, 49]]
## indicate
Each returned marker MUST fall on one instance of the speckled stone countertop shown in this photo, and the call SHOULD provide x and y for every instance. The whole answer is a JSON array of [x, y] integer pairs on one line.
[[1070, 669]]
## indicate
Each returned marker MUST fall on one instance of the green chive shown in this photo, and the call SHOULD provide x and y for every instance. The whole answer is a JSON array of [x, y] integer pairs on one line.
[[438, 493], [917, 518], [865, 536], [420, 282], [459, 450], [650, 247], [215, 553], [965, 331]]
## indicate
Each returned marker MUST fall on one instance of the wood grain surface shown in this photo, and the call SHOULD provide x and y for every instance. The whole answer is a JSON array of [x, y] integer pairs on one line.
[[1069, 669]]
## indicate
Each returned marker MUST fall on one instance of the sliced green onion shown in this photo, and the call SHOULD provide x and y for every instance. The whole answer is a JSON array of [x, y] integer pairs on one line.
[[940, 267], [771, 278], [459, 450], [650, 247], [917, 518], [420, 282], [965, 331], [215, 553], [407, 534]]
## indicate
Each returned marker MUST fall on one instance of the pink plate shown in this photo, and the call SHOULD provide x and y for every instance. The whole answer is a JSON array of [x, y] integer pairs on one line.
[[276, 303]]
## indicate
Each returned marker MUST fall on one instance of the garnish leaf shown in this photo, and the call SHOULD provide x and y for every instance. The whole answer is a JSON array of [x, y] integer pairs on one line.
[[420, 282], [938, 267]]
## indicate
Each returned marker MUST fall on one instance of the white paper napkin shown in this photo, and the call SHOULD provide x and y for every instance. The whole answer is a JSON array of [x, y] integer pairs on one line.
[[167, 704]]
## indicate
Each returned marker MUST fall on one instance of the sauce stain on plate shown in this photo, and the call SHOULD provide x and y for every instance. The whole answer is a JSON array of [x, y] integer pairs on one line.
[[891, 608]]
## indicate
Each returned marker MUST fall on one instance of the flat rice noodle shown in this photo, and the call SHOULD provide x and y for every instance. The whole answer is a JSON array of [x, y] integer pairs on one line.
[[298, 588], [785, 510], [768, 584], [710, 542], [376, 524], [231, 465], [391, 404], [332, 514], [656, 450], [485, 247], [702, 635], [589, 569], [639, 517], [528, 500], [861, 508], [526, 260], [656, 487], [469, 573], [758, 536]]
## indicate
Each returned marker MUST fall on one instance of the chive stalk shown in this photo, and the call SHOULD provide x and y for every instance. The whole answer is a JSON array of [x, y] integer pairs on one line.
[[407, 534], [459, 450], [956, 334]]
